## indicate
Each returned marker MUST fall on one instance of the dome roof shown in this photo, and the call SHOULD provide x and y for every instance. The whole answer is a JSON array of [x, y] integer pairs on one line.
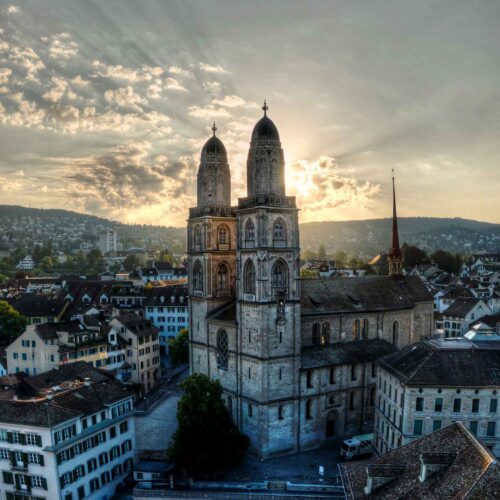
[[265, 129], [214, 146]]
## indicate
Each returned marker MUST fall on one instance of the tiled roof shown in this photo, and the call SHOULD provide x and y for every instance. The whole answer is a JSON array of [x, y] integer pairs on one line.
[[37, 305], [468, 472], [367, 293], [48, 331], [461, 307], [154, 296], [349, 353], [139, 326], [449, 363]]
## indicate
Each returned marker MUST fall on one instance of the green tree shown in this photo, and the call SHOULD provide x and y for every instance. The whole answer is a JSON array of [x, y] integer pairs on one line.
[[12, 324], [166, 256], [414, 256], [179, 348], [131, 262], [309, 255], [308, 274], [206, 441], [94, 259], [447, 261], [340, 258], [46, 263], [321, 252]]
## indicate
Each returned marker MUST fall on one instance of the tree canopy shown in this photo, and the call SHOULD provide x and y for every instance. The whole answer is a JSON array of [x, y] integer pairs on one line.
[[12, 323], [414, 256], [206, 441], [179, 348], [447, 261]]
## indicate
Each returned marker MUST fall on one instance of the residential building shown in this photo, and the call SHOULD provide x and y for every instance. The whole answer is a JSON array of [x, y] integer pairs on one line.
[[458, 317], [162, 271], [66, 434], [433, 383], [448, 463], [40, 308], [142, 349], [167, 308], [26, 264], [108, 241]]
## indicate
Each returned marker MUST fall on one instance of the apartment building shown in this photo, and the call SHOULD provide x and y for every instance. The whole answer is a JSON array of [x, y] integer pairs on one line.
[[65, 434], [433, 383], [142, 348]]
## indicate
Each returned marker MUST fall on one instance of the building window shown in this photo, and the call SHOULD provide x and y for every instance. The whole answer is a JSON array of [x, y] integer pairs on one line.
[[457, 405], [438, 405], [222, 350], [366, 327], [417, 427], [250, 230], [490, 430], [197, 276], [197, 235], [309, 378], [473, 427], [493, 405], [475, 405], [279, 231], [250, 410], [309, 409], [372, 396], [315, 333], [325, 334], [249, 278], [395, 333], [222, 277], [419, 404], [353, 372], [279, 274], [281, 412], [355, 329], [332, 375], [223, 235], [352, 405], [436, 425]]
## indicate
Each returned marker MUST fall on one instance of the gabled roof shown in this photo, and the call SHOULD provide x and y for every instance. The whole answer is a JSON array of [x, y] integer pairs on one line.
[[137, 325], [48, 331], [367, 293], [468, 471], [461, 307], [154, 296], [38, 305]]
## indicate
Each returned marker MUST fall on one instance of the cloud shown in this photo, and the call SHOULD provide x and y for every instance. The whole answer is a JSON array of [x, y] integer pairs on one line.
[[4, 75], [209, 68], [177, 70], [11, 9], [233, 101], [208, 111], [320, 187], [173, 84], [27, 59], [59, 86], [214, 87], [62, 47], [125, 97]]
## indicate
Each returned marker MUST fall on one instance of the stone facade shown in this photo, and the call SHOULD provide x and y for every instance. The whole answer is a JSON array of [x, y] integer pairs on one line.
[[254, 324]]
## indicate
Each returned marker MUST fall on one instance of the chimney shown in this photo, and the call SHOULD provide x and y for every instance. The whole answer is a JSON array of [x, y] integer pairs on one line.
[[380, 475], [50, 396], [430, 463], [87, 381]]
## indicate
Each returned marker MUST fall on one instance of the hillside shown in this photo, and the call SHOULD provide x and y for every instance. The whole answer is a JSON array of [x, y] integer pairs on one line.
[[364, 238]]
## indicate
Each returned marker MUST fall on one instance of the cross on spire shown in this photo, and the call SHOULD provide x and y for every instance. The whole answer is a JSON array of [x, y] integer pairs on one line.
[[265, 108], [214, 128]]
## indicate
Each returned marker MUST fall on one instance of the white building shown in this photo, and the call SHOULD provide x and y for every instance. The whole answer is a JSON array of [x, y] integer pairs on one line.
[[458, 317], [66, 434], [26, 264], [108, 241], [167, 308], [433, 383]]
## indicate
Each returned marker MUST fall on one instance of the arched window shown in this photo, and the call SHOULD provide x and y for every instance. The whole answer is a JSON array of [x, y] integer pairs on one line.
[[223, 235], [222, 348], [250, 230], [249, 277], [197, 235], [355, 329], [395, 333], [315, 334], [222, 277], [279, 230], [279, 275], [197, 276], [366, 326], [325, 334]]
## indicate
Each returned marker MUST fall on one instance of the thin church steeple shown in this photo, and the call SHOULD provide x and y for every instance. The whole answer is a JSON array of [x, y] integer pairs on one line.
[[395, 259]]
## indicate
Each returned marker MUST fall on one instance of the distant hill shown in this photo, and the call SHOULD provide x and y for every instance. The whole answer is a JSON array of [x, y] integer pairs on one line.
[[364, 238]]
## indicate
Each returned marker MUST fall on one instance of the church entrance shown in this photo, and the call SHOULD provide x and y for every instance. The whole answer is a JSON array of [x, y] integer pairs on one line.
[[330, 424]]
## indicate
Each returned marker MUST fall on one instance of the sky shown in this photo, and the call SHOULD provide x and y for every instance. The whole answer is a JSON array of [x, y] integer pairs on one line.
[[105, 105]]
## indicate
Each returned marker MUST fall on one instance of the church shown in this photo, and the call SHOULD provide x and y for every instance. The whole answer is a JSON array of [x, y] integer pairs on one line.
[[296, 358]]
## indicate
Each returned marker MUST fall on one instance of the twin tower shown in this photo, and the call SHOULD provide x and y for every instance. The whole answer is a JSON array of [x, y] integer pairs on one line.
[[244, 284]]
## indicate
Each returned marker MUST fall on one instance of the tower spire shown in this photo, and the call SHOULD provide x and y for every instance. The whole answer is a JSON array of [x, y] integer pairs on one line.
[[395, 259], [214, 128], [265, 108]]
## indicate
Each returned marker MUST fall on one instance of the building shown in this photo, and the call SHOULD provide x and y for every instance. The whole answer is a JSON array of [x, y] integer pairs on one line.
[[449, 463], [39, 308], [458, 317], [162, 271], [44, 347], [108, 241], [433, 383], [26, 264], [142, 349], [65, 434], [270, 338], [167, 308]]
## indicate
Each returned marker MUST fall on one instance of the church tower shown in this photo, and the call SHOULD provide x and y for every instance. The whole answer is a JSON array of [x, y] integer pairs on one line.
[[268, 299], [395, 258], [211, 249]]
